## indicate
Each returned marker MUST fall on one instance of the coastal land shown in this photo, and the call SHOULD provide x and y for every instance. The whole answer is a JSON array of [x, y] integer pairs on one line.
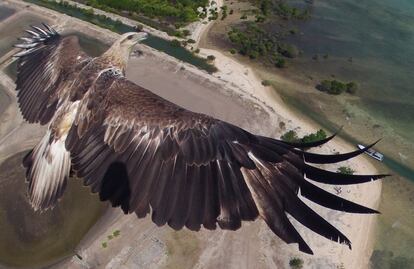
[[234, 93]]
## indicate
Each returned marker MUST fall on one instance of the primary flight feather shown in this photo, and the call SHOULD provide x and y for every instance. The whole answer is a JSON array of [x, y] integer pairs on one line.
[[148, 155]]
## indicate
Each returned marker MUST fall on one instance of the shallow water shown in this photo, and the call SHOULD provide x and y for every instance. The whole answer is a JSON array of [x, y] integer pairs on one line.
[[34, 239], [5, 12], [379, 37]]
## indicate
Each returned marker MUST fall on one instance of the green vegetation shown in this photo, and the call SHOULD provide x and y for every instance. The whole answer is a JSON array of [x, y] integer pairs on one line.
[[116, 233], [154, 23], [266, 82], [253, 41], [178, 11], [337, 87], [264, 38], [287, 50], [281, 9], [224, 12], [110, 237], [319, 135], [345, 170], [280, 63], [296, 263], [175, 43], [351, 87], [120, 28], [213, 14], [104, 244], [211, 57], [292, 136]]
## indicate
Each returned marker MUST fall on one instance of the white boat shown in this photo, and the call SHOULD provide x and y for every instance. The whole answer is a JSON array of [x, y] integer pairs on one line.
[[374, 154]]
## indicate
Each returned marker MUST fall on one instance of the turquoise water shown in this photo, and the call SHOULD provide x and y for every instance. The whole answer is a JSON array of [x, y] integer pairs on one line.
[[379, 36], [372, 43]]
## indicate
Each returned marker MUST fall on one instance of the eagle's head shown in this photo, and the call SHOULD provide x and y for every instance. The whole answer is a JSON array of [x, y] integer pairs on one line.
[[119, 52], [129, 40]]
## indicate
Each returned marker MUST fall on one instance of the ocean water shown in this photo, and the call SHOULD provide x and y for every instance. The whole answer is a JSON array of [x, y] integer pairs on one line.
[[372, 43]]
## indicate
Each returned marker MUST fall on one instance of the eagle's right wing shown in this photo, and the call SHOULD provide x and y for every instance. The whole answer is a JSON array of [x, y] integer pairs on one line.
[[146, 154], [47, 64]]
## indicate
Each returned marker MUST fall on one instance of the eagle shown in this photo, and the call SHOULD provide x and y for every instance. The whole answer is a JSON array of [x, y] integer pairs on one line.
[[147, 155]]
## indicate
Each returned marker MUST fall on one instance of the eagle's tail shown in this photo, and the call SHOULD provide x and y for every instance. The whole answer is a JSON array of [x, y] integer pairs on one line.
[[48, 168]]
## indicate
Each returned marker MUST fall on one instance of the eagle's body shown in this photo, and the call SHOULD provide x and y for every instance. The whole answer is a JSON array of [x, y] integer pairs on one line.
[[146, 154]]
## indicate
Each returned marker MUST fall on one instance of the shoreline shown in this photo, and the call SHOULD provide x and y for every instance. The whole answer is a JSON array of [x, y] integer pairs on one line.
[[232, 77], [250, 83]]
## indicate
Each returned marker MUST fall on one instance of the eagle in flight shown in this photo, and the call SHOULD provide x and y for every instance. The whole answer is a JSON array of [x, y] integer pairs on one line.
[[150, 156]]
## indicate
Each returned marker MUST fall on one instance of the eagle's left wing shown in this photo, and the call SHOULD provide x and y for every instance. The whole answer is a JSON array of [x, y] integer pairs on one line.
[[146, 154], [46, 66]]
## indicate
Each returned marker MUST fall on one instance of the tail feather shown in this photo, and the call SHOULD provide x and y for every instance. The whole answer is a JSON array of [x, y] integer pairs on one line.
[[48, 168]]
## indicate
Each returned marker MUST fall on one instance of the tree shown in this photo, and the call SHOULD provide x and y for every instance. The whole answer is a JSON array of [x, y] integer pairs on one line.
[[266, 83], [211, 57], [139, 27], [175, 43], [296, 263], [319, 135], [288, 50], [280, 63], [290, 136], [345, 170], [335, 87], [351, 87]]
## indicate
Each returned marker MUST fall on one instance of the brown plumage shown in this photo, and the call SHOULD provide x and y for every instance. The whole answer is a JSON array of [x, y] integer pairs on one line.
[[148, 155]]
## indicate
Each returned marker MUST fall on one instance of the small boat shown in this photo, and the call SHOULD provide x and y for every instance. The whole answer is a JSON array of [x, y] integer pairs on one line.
[[374, 154]]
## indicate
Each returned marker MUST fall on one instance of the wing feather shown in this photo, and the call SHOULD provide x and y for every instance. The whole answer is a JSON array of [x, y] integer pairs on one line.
[[46, 65]]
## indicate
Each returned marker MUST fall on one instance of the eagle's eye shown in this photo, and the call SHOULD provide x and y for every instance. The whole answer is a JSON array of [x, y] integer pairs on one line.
[[130, 37]]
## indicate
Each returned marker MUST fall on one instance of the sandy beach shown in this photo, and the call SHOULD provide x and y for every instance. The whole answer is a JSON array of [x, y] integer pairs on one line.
[[234, 94]]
